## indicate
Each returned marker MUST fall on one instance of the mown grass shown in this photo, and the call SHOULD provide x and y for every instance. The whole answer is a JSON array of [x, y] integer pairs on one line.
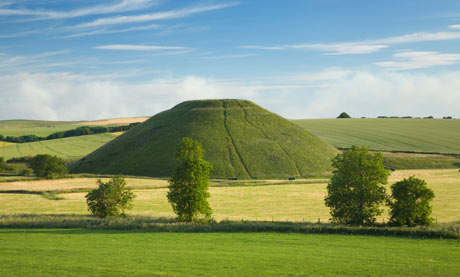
[[272, 201], [83, 252], [417, 135], [240, 139], [66, 148]]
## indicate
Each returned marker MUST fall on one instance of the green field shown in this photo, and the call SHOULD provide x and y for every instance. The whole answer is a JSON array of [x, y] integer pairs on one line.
[[389, 134], [264, 200], [66, 148], [77, 252], [34, 127]]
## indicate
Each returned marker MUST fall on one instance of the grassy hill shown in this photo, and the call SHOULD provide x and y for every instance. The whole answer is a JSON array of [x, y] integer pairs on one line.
[[240, 139], [389, 134], [67, 148]]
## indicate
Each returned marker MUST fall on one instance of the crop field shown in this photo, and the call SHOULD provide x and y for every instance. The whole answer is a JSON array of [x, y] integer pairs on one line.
[[78, 252], [389, 134], [34, 127], [262, 201], [66, 148]]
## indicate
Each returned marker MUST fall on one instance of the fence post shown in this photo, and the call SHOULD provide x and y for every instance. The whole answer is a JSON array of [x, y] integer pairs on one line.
[[319, 220]]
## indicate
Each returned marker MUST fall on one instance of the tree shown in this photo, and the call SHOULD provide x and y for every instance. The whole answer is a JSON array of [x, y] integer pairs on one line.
[[48, 166], [188, 186], [344, 115], [356, 187], [410, 203], [110, 199], [4, 166]]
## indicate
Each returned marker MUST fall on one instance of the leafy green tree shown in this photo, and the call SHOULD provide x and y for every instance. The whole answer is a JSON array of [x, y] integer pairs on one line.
[[356, 187], [4, 166], [344, 115], [410, 202], [50, 167], [188, 186], [110, 199]]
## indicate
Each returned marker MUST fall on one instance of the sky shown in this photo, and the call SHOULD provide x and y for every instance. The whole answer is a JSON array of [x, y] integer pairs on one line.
[[87, 60]]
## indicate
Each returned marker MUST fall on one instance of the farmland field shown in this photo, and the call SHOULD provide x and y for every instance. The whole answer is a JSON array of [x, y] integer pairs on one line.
[[66, 148], [78, 252], [389, 134], [303, 200]]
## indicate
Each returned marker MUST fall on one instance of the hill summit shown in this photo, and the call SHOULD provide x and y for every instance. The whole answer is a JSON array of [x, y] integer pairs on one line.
[[240, 139]]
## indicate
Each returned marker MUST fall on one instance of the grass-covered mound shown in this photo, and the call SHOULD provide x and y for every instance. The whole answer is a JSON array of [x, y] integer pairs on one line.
[[240, 138]]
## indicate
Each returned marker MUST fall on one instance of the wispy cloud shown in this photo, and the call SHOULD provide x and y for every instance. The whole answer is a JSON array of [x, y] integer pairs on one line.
[[224, 57], [456, 26], [113, 31], [416, 60], [122, 6], [364, 46], [131, 47], [173, 14]]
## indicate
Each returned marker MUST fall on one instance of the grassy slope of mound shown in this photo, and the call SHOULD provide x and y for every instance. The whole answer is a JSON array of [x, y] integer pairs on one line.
[[240, 139], [391, 134]]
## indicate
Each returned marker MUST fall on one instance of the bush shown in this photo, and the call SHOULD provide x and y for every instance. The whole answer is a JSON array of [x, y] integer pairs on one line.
[[110, 199], [188, 187], [47, 166], [355, 190], [4, 166], [344, 115], [410, 203]]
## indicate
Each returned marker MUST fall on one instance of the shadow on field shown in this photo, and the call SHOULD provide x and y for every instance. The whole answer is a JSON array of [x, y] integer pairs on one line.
[[82, 224]]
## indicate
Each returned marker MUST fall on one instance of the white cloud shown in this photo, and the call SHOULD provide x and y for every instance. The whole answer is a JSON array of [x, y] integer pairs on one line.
[[234, 56], [63, 96], [457, 26], [173, 14], [416, 60], [138, 47], [364, 46], [123, 6], [113, 31]]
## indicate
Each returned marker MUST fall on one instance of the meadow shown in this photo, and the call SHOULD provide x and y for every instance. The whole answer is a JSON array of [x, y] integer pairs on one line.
[[66, 148], [389, 134], [82, 252], [262, 200]]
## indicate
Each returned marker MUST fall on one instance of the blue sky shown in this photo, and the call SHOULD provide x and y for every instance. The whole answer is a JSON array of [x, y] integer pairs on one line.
[[72, 60]]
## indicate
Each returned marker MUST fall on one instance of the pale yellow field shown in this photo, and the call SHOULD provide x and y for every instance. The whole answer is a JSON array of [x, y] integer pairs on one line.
[[114, 121], [293, 202]]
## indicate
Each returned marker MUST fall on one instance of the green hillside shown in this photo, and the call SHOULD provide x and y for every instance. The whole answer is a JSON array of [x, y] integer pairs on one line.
[[240, 139], [67, 148], [389, 134]]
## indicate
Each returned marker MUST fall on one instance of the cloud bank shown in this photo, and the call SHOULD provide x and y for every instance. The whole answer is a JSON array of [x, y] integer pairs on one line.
[[63, 96]]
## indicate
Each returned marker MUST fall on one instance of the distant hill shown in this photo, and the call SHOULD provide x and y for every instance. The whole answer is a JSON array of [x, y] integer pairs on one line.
[[240, 138], [389, 134]]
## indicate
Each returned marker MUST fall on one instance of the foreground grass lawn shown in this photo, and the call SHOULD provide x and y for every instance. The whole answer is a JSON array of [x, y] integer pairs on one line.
[[79, 252]]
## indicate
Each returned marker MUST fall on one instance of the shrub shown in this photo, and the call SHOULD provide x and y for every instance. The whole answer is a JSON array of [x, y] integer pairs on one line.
[[188, 186], [355, 190], [4, 166], [344, 115], [110, 199], [47, 166], [410, 203]]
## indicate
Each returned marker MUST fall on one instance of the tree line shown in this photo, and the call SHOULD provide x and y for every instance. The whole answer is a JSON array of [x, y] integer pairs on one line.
[[80, 131], [355, 191]]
